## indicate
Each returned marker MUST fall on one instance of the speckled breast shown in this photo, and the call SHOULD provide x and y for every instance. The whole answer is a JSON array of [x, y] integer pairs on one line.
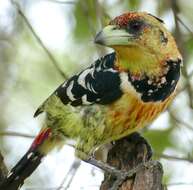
[[130, 113]]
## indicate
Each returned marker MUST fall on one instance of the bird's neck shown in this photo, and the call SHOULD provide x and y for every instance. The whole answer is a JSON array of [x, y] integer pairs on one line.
[[154, 78], [137, 61]]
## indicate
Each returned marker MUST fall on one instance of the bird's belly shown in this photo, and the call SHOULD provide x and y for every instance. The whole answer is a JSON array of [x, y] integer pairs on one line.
[[130, 113]]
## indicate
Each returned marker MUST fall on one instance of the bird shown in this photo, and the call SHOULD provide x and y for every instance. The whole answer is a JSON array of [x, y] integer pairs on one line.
[[118, 94]]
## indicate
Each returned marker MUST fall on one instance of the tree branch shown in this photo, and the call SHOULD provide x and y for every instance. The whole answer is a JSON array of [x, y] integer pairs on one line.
[[16, 134], [49, 54], [178, 35], [70, 175], [62, 2], [128, 154], [3, 169], [171, 157], [179, 121], [184, 25]]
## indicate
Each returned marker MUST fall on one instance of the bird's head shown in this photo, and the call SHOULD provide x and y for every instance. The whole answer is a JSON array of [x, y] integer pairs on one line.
[[141, 42]]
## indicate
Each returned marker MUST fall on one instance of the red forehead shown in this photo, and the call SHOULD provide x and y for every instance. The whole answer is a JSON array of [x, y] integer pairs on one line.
[[124, 18]]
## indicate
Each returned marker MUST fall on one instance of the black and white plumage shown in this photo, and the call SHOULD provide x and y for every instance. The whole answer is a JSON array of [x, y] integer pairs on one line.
[[101, 83], [160, 87]]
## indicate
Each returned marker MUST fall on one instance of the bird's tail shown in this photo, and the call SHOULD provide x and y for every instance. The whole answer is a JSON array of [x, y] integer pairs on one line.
[[28, 163]]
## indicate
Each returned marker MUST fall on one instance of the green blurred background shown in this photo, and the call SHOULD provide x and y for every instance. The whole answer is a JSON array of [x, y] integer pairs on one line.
[[67, 29]]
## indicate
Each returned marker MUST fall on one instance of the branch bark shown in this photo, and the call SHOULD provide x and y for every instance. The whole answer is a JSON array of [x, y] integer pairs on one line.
[[127, 154], [3, 169]]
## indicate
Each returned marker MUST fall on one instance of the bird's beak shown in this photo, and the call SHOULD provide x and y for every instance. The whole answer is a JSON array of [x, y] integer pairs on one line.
[[111, 36]]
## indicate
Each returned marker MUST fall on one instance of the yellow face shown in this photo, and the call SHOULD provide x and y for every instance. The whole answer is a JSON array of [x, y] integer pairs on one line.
[[139, 40]]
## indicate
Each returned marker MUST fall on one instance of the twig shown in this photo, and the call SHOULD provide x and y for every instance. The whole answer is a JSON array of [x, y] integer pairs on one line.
[[175, 9], [171, 157], [62, 2], [15, 134], [177, 120], [176, 184], [184, 25], [49, 54], [3, 169], [185, 85], [71, 173]]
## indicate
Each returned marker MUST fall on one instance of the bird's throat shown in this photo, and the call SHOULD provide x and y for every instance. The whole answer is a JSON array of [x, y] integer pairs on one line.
[[137, 61]]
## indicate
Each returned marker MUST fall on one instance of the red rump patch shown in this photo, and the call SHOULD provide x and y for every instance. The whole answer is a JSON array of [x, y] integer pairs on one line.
[[42, 136], [123, 19]]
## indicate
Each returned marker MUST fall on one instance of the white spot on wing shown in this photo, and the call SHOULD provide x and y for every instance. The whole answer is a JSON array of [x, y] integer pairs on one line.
[[64, 85], [69, 91], [110, 70], [81, 78], [104, 63], [92, 73], [90, 87], [84, 100], [173, 81]]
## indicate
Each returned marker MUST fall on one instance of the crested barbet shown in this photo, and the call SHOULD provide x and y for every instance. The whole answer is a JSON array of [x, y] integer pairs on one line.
[[115, 96]]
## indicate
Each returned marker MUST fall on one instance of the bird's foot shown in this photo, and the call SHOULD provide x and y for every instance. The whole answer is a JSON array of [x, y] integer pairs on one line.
[[121, 174], [104, 166], [90, 159]]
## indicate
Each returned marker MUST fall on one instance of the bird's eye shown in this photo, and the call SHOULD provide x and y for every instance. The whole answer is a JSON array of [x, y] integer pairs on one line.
[[135, 26]]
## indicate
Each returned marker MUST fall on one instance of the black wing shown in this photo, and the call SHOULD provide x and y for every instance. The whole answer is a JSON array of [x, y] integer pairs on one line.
[[99, 83]]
